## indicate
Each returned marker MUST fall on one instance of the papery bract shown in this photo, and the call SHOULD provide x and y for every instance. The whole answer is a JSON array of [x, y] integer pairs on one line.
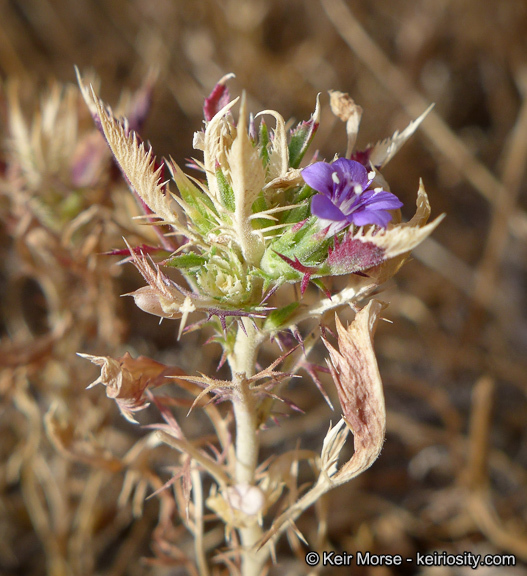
[[126, 380], [356, 376]]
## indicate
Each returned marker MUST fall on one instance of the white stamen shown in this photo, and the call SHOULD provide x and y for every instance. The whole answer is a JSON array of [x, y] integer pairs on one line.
[[371, 175], [345, 207], [379, 189], [357, 189], [335, 178]]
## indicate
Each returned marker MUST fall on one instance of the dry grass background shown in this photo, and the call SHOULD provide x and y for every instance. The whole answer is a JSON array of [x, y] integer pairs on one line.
[[453, 472]]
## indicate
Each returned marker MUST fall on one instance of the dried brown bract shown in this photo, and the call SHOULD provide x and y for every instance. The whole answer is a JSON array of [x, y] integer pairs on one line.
[[126, 380], [356, 376]]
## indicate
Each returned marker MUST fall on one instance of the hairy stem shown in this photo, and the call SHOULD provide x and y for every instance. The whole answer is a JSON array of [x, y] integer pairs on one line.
[[247, 441], [242, 362], [197, 490]]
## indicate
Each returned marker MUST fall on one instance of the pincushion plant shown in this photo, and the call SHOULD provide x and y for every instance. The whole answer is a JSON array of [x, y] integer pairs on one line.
[[251, 223]]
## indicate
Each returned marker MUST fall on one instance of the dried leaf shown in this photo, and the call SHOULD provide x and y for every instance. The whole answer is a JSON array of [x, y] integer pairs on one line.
[[403, 238], [247, 177], [126, 380], [384, 150], [136, 162], [63, 434], [279, 154], [356, 376], [344, 107], [218, 138]]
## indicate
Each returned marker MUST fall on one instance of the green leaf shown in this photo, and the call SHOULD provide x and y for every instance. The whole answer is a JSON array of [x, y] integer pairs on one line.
[[296, 214], [226, 192], [301, 138], [278, 317], [291, 241], [187, 261], [263, 141], [201, 209], [195, 198], [260, 205], [303, 243], [305, 193]]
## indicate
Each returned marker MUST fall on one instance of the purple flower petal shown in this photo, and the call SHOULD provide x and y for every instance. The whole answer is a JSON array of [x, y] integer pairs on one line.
[[344, 195], [364, 216], [350, 171], [381, 200], [323, 207], [318, 176]]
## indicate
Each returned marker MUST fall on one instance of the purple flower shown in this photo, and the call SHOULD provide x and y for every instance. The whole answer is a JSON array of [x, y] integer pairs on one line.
[[345, 197]]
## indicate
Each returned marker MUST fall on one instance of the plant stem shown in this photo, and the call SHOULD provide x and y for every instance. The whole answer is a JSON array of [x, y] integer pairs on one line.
[[242, 362], [247, 441], [197, 490]]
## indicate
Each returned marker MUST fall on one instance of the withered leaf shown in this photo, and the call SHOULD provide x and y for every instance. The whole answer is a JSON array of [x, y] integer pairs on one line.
[[126, 380], [356, 375]]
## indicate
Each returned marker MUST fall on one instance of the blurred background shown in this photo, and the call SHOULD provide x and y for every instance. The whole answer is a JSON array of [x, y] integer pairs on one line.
[[453, 472]]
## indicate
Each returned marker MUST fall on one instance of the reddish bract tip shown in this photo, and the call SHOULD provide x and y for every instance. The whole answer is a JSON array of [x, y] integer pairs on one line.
[[217, 99]]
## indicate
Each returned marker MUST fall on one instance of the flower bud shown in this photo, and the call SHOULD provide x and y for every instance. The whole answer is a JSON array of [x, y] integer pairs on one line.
[[148, 300], [246, 498]]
